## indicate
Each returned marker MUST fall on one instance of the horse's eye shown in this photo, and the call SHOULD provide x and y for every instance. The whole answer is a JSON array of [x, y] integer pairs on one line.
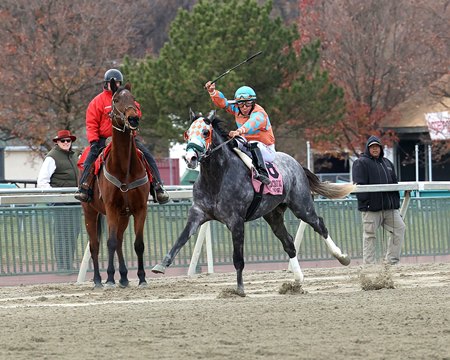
[[205, 132]]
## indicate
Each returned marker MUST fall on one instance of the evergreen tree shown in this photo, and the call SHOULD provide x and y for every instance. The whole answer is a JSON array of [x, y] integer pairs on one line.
[[215, 36]]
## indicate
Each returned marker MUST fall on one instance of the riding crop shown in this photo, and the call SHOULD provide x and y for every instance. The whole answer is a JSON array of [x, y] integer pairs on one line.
[[234, 67]]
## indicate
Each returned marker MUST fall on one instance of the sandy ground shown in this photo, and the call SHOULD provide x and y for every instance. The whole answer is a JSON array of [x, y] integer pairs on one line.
[[331, 317]]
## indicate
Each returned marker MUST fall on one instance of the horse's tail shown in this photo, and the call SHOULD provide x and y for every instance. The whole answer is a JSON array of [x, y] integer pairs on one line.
[[329, 190]]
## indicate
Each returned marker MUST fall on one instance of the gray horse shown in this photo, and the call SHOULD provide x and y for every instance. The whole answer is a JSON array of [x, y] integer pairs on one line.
[[224, 192]]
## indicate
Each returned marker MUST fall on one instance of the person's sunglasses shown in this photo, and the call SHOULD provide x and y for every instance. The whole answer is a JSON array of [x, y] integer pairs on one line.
[[66, 140], [244, 103]]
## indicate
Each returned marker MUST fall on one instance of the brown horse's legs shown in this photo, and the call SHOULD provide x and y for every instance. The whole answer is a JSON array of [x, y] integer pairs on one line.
[[112, 246], [93, 224], [123, 271], [115, 240], [139, 221]]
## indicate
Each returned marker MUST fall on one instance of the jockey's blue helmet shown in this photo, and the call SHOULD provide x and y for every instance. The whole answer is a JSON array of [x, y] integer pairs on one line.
[[113, 74], [245, 93]]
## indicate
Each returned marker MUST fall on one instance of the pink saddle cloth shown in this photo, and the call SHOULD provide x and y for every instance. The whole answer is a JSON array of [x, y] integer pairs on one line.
[[276, 181]]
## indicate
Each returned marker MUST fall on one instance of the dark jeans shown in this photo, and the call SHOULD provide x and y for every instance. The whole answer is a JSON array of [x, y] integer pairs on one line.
[[151, 161], [96, 147], [66, 228], [94, 151]]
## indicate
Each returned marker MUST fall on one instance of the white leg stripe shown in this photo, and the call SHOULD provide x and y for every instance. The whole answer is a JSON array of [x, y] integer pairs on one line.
[[333, 248], [295, 266]]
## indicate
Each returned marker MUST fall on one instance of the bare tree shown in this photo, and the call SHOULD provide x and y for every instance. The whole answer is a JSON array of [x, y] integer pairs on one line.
[[54, 56], [380, 52]]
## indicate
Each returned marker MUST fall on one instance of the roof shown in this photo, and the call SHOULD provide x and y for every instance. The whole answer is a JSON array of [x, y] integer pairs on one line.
[[189, 177], [409, 116]]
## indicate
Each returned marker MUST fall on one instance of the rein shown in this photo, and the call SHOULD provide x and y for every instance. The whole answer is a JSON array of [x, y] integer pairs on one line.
[[210, 150]]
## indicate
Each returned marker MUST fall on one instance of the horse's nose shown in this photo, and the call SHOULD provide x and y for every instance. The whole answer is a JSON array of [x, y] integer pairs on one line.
[[191, 159], [133, 121], [193, 163]]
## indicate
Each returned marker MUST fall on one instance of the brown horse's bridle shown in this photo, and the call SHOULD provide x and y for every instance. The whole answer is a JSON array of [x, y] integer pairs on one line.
[[117, 114], [114, 115]]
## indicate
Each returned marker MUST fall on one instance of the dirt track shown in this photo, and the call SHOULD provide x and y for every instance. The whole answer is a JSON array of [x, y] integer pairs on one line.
[[197, 318]]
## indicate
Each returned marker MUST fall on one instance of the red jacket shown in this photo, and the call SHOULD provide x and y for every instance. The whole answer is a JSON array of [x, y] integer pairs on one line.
[[98, 122]]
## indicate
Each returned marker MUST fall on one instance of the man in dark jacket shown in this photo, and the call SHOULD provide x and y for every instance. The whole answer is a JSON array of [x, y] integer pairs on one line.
[[378, 208], [59, 169]]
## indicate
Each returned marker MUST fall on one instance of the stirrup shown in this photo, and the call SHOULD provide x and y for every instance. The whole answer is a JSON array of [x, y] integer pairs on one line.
[[263, 178], [159, 194], [84, 193]]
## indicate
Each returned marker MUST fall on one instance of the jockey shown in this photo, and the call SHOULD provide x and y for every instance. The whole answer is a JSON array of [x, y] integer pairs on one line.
[[99, 128], [253, 125]]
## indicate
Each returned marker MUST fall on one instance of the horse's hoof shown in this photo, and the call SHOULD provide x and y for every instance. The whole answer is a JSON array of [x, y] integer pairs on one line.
[[98, 286], [240, 292], [110, 284], [345, 259], [159, 269], [124, 284], [143, 284]]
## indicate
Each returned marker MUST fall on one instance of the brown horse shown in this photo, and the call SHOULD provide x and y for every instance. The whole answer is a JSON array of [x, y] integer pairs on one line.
[[120, 189]]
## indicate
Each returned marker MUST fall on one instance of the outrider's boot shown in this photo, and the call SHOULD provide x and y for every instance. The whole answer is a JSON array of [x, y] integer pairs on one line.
[[262, 174], [84, 192], [159, 194]]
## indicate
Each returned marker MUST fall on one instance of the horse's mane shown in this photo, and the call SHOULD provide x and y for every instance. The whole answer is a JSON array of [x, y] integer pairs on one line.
[[218, 126]]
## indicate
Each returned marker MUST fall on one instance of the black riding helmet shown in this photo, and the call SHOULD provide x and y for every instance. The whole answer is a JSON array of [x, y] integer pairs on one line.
[[113, 74]]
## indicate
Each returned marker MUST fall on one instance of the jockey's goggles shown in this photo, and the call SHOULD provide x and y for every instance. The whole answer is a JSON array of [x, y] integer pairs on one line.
[[242, 103]]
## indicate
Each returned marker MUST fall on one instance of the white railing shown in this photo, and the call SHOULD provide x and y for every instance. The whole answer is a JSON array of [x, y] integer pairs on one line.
[[57, 195]]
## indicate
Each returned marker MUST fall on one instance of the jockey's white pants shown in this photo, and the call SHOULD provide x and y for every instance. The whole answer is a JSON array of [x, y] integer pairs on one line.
[[267, 151]]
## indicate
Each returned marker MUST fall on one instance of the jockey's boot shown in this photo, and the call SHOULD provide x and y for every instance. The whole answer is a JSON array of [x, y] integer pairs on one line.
[[262, 174], [84, 192], [159, 194]]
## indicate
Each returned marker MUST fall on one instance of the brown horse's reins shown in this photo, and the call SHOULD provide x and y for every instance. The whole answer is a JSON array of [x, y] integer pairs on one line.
[[124, 187], [121, 115]]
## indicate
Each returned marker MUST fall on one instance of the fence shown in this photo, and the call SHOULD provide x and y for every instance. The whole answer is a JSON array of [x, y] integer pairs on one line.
[[29, 244]]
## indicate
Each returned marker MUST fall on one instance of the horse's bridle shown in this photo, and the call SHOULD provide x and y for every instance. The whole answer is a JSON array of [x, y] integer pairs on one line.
[[114, 115], [117, 114], [204, 153]]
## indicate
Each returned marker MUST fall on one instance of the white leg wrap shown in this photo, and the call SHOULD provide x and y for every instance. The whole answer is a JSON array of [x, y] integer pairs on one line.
[[333, 248], [295, 266]]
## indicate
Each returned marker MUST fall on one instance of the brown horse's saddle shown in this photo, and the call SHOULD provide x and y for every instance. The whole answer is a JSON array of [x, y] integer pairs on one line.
[[98, 163]]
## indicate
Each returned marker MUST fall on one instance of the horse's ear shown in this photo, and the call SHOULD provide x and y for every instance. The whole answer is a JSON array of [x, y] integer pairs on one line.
[[128, 86], [211, 116], [191, 115], [113, 86]]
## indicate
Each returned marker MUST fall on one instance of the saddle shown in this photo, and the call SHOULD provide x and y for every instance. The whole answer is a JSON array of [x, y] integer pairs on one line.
[[101, 159], [274, 188], [276, 180]]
